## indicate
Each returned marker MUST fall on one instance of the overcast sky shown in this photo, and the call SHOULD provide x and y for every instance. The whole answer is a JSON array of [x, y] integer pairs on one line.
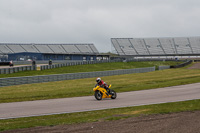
[[96, 21]]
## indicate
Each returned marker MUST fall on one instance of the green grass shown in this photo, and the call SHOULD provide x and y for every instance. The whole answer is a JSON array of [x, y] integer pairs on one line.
[[91, 68], [101, 115], [83, 87]]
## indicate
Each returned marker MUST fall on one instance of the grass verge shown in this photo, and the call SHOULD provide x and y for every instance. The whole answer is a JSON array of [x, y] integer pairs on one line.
[[101, 115], [92, 68], [83, 87]]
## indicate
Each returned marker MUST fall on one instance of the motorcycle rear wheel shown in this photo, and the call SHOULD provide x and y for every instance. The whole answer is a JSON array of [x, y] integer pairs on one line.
[[98, 95]]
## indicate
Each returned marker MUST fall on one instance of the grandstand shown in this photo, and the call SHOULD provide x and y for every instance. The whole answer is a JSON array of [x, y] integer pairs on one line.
[[177, 46], [49, 51]]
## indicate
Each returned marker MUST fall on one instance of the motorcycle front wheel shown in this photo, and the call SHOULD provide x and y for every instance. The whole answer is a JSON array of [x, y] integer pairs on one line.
[[98, 95], [114, 94]]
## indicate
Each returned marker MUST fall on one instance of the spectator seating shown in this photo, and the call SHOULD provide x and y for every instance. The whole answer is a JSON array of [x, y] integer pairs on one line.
[[7, 48], [57, 48], [15, 48], [168, 45], [157, 46], [42, 48], [29, 48], [182, 45], [139, 46], [195, 44]]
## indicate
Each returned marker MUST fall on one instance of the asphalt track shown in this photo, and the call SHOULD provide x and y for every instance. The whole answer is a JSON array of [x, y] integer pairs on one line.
[[89, 103]]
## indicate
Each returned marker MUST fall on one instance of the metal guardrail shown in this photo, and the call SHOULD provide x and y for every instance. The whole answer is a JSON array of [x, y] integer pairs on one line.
[[43, 62], [70, 76], [182, 65], [44, 67], [163, 67], [17, 69], [148, 59], [176, 66]]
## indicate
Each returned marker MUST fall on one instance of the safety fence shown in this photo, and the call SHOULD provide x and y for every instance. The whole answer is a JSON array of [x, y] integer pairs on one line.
[[176, 66], [44, 67], [69, 76], [182, 65], [163, 67], [17, 69], [148, 59], [44, 62]]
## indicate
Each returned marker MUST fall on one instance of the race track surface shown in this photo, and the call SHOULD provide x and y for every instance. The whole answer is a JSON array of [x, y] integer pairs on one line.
[[88, 103]]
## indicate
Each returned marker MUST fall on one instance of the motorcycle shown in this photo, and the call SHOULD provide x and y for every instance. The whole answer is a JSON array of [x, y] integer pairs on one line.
[[101, 92]]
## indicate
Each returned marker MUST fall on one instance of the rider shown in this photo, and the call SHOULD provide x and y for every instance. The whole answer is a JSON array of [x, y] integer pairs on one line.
[[103, 84]]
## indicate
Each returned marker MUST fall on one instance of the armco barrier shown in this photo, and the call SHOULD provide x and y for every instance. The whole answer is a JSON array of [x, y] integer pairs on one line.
[[177, 66], [182, 65], [163, 67], [17, 69], [59, 77], [44, 67]]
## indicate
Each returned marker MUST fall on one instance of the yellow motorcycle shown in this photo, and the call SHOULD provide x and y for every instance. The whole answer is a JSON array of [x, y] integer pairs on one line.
[[101, 92]]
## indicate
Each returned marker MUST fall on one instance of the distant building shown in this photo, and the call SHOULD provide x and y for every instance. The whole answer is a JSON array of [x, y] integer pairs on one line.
[[23, 52]]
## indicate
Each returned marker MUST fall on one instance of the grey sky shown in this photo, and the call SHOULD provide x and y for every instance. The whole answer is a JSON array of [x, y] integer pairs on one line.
[[96, 21]]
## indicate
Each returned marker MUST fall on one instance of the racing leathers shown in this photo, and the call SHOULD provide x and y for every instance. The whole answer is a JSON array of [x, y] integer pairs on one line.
[[104, 85]]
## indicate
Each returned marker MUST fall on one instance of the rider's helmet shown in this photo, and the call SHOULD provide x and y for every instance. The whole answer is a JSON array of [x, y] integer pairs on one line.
[[98, 80]]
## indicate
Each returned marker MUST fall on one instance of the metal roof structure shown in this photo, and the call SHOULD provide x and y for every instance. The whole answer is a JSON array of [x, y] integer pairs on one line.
[[157, 46], [7, 48]]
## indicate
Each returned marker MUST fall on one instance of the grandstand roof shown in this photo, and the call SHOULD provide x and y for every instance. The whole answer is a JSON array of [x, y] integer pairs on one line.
[[7, 48], [157, 46]]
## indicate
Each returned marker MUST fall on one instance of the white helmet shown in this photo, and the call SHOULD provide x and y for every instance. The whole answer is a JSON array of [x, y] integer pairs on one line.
[[98, 80]]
